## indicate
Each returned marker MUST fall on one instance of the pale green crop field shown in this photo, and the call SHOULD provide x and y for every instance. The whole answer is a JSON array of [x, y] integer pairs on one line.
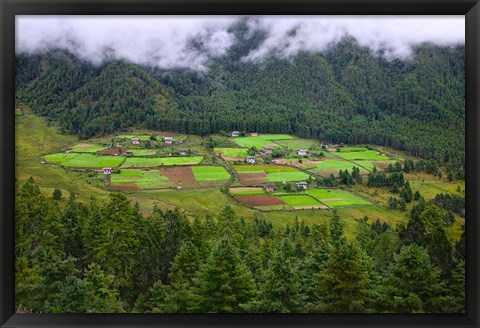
[[87, 148], [327, 167], [143, 179], [144, 152], [85, 160], [300, 200], [260, 141], [160, 161], [362, 155], [263, 168], [209, 173], [287, 176], [232, 152]]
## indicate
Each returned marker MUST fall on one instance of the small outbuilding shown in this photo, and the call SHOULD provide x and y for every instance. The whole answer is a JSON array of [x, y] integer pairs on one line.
[[168, 140], [183, 151], [107, 170], [302, 152], [268, 150], [269, 187], [251, 160], [302, 185], [135, 141]]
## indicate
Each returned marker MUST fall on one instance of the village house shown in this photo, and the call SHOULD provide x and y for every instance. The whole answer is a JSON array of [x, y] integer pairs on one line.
[[68, 150], [302, 185], [324, 145], [128, 153], [168, 140], [235, 133], [183, 151], [251, 160], [254, 134], [267, 150], [269, 187], [135, 141], [302, 152], [107, 170]]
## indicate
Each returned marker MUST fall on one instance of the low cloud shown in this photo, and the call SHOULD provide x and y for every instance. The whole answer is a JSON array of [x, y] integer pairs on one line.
[[189, 42]]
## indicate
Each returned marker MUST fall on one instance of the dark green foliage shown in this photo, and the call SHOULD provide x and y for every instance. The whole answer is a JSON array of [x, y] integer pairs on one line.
[[57, 194], [106, 257], [418, 103]]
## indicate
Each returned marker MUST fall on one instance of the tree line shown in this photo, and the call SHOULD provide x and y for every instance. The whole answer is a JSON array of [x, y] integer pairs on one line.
[[105, 256]]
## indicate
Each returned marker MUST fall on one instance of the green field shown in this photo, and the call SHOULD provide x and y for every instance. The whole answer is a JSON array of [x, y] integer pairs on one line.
[[241, 191], [210, 173], [362, 155], [328, 167], [263, 168], [260, 141], [144, 152], [232, 152], [143, 179], [352, 148], [87, 148], [337, 197], [287, 176], [296, 144], [300, 201], [84, 160], [152, 162]]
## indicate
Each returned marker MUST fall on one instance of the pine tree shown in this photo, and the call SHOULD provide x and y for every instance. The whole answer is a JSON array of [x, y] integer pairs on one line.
[[224, 283]]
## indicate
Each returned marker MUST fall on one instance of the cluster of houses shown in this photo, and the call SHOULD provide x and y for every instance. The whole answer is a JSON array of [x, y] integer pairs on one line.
[[300, 185], [166, 140]]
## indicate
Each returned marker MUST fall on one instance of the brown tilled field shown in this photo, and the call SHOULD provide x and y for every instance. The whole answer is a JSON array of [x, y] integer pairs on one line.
[[260, 200], [124, 187], [179, 175], [252, 178]]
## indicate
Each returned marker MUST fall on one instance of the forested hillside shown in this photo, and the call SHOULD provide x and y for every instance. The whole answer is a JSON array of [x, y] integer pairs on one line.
[[345, 94], [106, 257]]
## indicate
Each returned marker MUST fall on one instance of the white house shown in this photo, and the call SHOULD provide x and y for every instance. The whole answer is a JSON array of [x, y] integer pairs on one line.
[[183, 151], [235, 133], [267, 150], [135, 141], [168, 140], [107, 170], [302, 185], [251, 160], [302, 152]]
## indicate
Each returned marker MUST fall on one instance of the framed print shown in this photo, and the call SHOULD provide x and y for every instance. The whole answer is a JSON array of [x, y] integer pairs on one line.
[[250, 164]]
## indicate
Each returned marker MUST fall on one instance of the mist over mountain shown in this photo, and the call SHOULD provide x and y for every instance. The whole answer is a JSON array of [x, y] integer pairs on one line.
[[247, 80]]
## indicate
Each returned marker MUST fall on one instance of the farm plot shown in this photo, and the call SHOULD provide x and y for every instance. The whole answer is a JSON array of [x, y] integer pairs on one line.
[[210, 173], [261, 200], [161, 161], [144, 152], [254, 174], [232, 152], [246, 191], [296, 144], [337, 198], [84, 160], [327, 167], [301, 202], [128, 136], [371, 155], [87, 148], [138, 179], [260, 141]]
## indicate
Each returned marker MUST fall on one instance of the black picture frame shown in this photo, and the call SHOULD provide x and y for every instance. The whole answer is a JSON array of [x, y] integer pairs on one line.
[[10, 8]]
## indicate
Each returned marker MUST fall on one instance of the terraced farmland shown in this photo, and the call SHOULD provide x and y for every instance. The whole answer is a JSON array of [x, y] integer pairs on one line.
[[84, 160], [161, 161], [260, 141]]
